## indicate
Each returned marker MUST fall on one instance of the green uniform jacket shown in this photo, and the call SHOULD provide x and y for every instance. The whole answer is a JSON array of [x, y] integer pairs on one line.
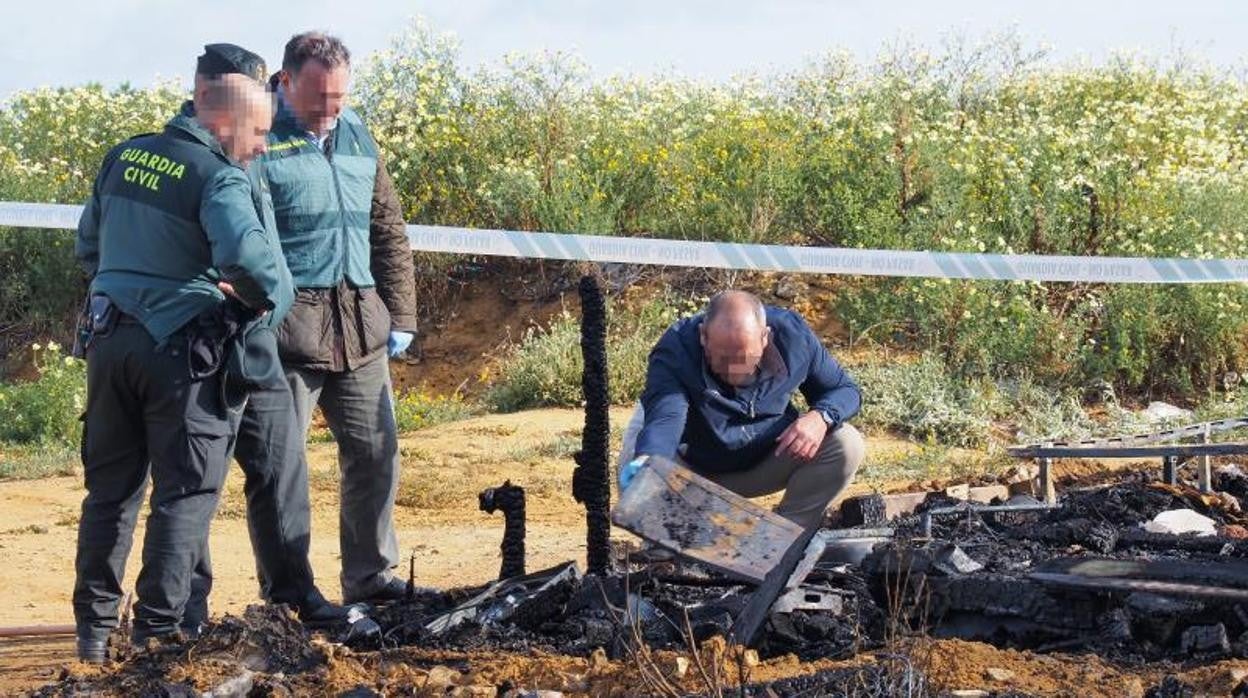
[[343, 235], [170, 215]]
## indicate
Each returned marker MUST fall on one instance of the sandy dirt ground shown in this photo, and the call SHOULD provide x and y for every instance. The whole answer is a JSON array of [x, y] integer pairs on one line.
[[454, 544]]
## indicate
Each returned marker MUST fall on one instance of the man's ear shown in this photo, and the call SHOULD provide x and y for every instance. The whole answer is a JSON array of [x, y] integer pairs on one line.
[[702, 335], [283, 79], [766, 336]]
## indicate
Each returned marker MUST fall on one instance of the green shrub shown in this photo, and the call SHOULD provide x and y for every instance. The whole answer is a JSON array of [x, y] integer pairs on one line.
[[40, 282], [544, 368], [46, 410], [921, 399], [417, 409], [33, 461]]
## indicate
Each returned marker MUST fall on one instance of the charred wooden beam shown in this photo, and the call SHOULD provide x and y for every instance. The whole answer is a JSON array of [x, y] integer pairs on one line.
[[591, 483], [509, 499]]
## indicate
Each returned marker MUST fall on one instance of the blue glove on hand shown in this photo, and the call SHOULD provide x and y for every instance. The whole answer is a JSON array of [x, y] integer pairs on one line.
[[399, 342], [630, 470]]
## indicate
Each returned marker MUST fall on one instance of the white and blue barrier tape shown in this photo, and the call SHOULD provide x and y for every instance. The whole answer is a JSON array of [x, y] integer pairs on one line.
[[789, 258]]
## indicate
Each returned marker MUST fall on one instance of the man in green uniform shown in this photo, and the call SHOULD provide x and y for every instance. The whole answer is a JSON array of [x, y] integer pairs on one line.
[[171, 228], [343, 236]]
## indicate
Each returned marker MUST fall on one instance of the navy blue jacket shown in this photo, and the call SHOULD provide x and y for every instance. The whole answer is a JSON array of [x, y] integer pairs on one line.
[[725, 429]]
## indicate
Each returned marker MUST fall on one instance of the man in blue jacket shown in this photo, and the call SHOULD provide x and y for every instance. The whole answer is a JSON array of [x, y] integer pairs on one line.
[[718, 399]]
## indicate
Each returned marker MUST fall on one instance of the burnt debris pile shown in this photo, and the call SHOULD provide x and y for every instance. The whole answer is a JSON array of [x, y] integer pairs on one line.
[[1087, 576], [1093, 574], [265, 651], [1096, 573]]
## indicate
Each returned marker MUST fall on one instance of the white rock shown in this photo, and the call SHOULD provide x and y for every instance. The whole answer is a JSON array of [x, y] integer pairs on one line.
[[442, 677], [999, 674], [1164, 411], [678, 667], [1178, 521], [1230, 470]]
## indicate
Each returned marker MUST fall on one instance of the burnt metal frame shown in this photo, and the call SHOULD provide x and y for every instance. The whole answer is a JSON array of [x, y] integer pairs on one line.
[[1141, 446], [969, 508]]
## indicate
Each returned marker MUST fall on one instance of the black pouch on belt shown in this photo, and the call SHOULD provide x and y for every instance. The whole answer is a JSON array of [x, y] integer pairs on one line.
[[209, 336], [97, 320], [103, 316]]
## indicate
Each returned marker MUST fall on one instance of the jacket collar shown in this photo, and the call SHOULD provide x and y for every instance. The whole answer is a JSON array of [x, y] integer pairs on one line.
[[284, 115]]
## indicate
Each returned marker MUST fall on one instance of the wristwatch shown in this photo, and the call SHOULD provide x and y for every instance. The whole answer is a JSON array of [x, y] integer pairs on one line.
[[828, 419]]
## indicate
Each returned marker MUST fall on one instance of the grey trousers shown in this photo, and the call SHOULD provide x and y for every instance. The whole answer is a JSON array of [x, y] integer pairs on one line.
[[269, 447], [809, 486], [360, 411]]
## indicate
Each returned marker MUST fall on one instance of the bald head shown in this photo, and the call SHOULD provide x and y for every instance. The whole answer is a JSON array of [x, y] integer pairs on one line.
[[734, 335]]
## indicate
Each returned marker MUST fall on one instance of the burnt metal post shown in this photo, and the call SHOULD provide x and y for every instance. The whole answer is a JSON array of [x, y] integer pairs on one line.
[[1170, 470], [1205, 462], [1048, 493], [510, 499], [591, 483]]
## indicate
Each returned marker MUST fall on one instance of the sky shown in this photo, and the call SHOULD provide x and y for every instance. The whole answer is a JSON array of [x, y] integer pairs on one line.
[[71, 42]]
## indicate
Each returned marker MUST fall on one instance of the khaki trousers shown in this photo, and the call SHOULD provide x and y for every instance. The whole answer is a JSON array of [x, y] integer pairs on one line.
[[809, 486]]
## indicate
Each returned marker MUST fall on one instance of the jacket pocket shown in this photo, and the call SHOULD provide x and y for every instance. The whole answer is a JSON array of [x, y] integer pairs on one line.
[[305, 335], [374, 320]]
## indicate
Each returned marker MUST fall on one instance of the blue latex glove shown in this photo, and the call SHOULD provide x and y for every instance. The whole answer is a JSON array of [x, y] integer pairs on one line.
[[630, 470], [399, 342]]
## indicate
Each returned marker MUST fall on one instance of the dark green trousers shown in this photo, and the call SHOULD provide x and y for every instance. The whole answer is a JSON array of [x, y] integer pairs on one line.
[[145, 417]]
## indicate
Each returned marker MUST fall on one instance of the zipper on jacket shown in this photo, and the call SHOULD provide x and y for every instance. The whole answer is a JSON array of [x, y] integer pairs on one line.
[[342, 213], [346, 249]]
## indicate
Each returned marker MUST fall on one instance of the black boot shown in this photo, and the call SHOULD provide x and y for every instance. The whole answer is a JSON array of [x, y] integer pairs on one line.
[[92, 651]]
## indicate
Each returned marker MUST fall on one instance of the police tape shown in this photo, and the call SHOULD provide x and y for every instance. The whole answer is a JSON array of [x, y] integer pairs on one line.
[[750, 257]]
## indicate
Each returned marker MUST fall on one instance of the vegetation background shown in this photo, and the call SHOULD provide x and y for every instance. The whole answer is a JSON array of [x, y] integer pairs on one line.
[[972, 147]]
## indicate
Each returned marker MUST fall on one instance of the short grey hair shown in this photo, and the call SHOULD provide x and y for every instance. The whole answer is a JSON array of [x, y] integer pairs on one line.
[[720, 300], [318, 46]]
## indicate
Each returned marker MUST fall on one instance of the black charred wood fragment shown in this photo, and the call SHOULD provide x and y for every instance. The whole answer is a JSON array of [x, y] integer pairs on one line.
[[1139, 538], [509, 499], [1093, 534], [867, 510], [1231, 573], [590, 480], [1205, 640], [746, 625], [1171, 687], [1007, 596], [410, 592], [1114, 626], [1156, 618]]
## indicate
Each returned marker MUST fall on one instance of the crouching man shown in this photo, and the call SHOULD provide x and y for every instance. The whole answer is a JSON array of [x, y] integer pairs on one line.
[[718, 399]]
